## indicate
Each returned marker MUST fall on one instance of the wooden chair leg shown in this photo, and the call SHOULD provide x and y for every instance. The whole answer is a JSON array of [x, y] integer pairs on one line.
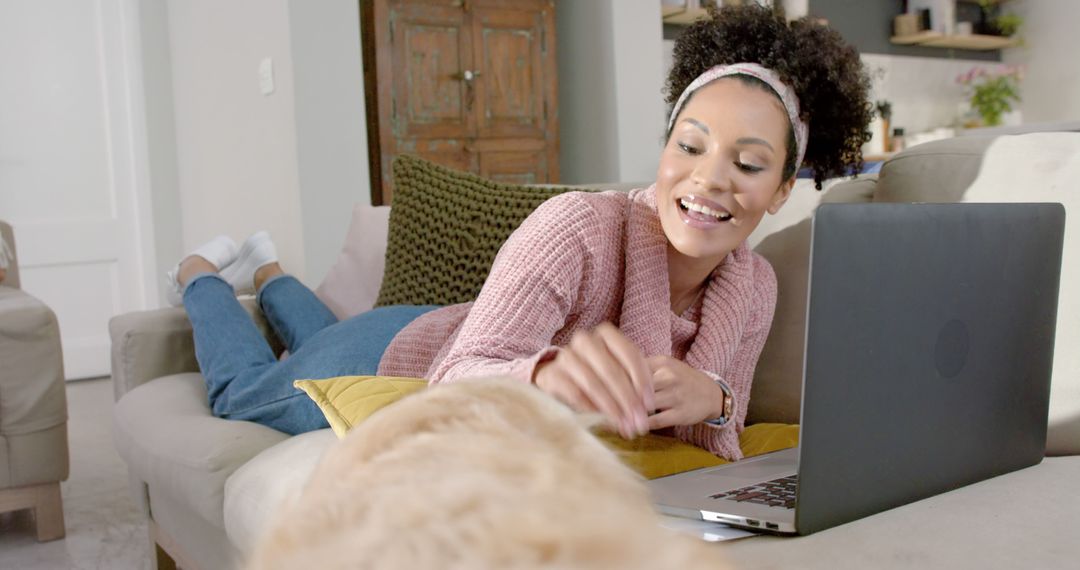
[[161, 558], [49, 512], [45, 502]]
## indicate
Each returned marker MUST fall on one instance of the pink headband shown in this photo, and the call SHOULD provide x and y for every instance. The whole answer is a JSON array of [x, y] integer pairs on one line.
[[769, 77]]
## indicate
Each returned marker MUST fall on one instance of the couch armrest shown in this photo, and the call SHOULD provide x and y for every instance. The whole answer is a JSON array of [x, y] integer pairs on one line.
[[156, 343], [32, 396], [8, 236]]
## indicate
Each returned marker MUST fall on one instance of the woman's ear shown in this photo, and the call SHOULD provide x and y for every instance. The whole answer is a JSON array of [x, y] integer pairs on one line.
[[781, 196]]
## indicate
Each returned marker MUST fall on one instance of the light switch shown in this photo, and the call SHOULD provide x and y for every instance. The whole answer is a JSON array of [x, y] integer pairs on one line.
[[266, 76]]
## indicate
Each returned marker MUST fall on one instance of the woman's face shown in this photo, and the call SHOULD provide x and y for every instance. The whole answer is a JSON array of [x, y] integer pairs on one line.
[[721, 169]]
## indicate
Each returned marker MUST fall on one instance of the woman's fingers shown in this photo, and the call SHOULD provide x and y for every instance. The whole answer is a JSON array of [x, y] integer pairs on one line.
[[632, 361], [665, 419], [665, 399], [609, 371], [568, 393], [582, 375]]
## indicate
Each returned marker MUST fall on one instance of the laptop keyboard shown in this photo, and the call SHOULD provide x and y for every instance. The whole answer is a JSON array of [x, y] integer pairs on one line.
[[776, 493]]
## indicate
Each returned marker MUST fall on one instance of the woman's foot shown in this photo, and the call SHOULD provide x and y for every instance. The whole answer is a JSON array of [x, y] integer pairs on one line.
[[207, 258], [256, 252]]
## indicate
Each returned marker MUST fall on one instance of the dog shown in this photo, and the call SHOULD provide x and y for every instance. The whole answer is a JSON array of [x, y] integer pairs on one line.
[[485, 473]]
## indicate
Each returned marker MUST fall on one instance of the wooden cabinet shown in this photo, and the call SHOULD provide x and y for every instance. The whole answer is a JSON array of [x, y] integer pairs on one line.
[[470, 84]]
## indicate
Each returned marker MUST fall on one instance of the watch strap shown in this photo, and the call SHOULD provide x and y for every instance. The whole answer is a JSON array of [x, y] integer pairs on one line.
[[729, 401]]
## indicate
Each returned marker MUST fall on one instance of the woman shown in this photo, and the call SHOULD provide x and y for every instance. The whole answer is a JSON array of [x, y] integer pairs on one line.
[[648, 307]]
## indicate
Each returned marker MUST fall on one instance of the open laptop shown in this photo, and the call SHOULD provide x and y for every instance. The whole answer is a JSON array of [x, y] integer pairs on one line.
[[929, 345]]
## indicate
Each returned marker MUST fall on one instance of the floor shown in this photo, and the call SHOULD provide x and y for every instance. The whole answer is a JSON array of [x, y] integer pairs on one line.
[[104, 529]]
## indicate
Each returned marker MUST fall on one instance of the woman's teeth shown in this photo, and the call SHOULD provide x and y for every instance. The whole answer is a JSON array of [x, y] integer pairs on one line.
[[692, 206]]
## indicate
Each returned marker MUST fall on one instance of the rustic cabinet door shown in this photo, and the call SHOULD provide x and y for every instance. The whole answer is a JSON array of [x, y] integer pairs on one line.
[[430, 102], [469, 84], [508, 49], [430, 46]]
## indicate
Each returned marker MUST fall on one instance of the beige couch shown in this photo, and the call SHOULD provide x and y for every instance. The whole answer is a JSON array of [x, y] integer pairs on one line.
[[208, 485], [33, 405]]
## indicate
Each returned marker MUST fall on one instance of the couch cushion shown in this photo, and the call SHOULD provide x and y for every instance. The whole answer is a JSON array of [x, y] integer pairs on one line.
[[257, 489], [445, 228], [165, 432], [1037, 167], [352, 284]]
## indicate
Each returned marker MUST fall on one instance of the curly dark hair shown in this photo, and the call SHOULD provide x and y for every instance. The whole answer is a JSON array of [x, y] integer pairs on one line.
[[824, 71]]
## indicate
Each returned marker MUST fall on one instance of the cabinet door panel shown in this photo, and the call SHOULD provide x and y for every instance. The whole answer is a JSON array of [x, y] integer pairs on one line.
[[509, 45], [514, 167], [431, 46]]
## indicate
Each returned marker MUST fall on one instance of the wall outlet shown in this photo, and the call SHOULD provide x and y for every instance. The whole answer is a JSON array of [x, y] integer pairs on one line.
[[266, 76]]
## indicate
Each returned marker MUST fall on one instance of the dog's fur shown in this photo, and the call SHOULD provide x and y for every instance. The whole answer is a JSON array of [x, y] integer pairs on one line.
[[472, 475]]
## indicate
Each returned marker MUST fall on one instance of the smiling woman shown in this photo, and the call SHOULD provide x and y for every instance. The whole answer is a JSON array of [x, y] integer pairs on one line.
[[647, 307]]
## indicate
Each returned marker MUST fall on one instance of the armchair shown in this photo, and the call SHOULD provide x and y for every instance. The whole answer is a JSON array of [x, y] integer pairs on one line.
[[33, 405]]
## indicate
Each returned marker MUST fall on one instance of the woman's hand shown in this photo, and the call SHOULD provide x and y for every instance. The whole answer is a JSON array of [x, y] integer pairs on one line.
[[684, 395], [602, 371]]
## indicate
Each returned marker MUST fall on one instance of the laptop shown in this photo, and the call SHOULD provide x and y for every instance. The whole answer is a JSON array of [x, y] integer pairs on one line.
[[929, 346]]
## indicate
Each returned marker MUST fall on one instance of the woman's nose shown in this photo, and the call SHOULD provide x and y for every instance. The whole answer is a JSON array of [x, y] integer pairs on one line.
[[712, 173]]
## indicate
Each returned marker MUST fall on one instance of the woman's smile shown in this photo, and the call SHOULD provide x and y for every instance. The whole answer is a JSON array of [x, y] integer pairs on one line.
[[704, 214]]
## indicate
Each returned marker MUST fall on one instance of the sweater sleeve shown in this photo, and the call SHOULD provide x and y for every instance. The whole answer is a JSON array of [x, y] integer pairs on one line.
[[528, 296], [739, 375]]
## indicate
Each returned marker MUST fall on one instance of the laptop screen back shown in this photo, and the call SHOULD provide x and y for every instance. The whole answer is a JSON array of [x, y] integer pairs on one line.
[[929, 347]]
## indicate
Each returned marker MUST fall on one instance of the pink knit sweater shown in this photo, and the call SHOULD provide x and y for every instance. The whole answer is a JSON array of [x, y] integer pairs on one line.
[[581, 259]]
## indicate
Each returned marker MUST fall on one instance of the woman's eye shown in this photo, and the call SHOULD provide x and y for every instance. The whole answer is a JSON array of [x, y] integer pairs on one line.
[[688, 149], [745, 167]]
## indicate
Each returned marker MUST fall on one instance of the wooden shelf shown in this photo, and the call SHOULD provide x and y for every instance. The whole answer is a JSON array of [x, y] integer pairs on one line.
[[669, 10], [880, 157], [913, 39], [971, 41], [680, 16]]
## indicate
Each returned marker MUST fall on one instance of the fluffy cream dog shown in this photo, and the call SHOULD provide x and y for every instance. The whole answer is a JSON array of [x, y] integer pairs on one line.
[[473, 475]]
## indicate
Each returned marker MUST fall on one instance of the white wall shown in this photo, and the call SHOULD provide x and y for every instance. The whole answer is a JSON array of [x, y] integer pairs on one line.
[[1051, 89], [639, 81], [331, 137], [923, 91], [236, 148], [611, 110]]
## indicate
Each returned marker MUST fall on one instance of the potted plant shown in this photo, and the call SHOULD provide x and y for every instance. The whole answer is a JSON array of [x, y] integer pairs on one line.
[[993, 91], [996, 24], [1008, 24]]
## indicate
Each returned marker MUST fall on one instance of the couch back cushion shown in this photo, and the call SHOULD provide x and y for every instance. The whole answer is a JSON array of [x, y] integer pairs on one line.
[[1036, 167], [352, 284], [445, 228]]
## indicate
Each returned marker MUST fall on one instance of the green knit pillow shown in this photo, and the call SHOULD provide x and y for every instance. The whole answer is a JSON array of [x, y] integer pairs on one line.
[[445, 228]]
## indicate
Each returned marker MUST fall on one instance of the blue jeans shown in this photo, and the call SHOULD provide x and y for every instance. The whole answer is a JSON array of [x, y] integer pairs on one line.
[[245, 381]]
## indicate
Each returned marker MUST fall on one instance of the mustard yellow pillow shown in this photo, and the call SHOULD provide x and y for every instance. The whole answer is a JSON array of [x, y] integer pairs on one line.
[[658, 456], [348, 400]]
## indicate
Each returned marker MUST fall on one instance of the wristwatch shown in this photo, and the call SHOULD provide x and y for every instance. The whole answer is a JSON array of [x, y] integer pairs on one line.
[[729, 401]]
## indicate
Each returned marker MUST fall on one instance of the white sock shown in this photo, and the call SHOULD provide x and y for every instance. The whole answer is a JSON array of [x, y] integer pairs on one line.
[[256, 251], [220, 251]]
